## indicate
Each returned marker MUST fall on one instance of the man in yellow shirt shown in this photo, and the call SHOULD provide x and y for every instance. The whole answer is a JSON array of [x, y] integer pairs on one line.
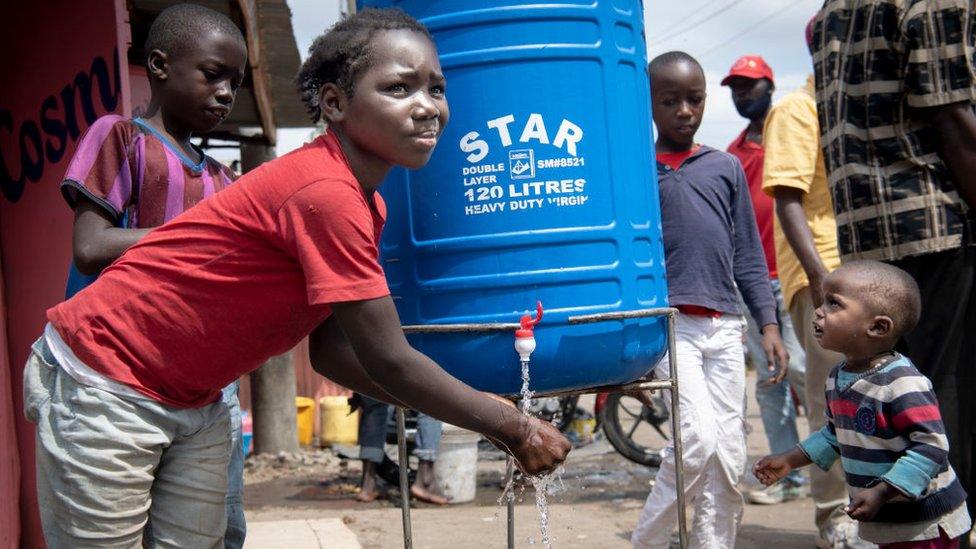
[[806, 250]]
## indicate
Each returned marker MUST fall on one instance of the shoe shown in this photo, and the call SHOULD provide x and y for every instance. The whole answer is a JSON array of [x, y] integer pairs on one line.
[[842, 535], [777, 493]]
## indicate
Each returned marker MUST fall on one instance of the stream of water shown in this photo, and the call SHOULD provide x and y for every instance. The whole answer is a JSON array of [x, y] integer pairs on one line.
[[541, 483]]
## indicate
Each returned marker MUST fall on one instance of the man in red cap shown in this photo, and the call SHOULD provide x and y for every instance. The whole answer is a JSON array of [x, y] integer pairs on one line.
[[751, 82]]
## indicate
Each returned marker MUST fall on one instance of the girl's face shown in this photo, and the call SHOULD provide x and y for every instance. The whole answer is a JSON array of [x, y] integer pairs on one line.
[[398, 108]]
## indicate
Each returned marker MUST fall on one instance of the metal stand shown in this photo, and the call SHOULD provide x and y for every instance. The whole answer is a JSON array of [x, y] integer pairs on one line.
[[510, 500], [404, 478], [670, 384]]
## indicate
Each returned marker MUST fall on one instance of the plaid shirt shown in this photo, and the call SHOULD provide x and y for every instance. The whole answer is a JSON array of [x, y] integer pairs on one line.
[[876, 62]]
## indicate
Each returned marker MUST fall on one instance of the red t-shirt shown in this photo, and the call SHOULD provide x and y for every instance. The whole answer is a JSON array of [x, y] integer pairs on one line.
[[233, 281], [751, 156], [675, 160]]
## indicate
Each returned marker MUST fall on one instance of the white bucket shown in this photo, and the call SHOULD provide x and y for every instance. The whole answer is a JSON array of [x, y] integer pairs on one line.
[[456, 468]]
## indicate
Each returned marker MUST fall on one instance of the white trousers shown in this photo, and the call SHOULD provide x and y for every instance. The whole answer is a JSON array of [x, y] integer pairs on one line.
[[711, 398]]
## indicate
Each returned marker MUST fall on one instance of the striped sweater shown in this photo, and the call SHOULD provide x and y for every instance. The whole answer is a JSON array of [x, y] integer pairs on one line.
[[886, 425]]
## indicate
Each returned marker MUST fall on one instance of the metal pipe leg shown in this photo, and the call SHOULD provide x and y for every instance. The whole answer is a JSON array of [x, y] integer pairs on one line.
[[404, 478], [679, 474], [510, 503]]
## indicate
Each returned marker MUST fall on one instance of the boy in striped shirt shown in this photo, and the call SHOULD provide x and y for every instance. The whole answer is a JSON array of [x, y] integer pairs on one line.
[[129, 176], [883, 419]]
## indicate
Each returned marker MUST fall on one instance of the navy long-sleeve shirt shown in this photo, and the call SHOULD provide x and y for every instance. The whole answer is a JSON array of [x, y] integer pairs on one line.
[[711, 243]]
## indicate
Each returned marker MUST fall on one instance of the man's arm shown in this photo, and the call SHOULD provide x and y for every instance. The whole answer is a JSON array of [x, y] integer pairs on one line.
[[793, 221], [955, 131], [96, 241], [376, 358], [789, 173]]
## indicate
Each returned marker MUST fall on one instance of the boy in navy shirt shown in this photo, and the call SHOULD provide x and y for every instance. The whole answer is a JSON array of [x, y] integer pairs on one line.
[[711, 247]]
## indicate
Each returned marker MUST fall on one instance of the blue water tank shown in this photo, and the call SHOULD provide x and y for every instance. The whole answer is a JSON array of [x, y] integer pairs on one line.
[[543, 187]]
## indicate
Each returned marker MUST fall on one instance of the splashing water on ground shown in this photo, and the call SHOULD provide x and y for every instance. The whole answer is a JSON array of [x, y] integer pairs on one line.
[[542, 484]]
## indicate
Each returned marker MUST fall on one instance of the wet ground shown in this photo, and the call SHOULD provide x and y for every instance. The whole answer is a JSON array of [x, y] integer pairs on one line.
[[595, 506]]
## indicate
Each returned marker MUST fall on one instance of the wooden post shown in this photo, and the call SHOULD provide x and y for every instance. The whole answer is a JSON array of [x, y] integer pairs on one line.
[[273, 405], [273, 384]]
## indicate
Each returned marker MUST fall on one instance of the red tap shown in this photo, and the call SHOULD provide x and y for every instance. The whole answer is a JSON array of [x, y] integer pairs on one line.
[[524, 338], [527, 323]]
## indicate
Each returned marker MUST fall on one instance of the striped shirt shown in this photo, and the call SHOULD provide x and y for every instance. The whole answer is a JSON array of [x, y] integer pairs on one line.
[[886, 426], [141, 178], [876, 62]]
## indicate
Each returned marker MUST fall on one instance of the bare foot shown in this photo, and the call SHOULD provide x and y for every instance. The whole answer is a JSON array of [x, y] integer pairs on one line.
[[423, 494], [369, 489], [425, 488], [365, 497]]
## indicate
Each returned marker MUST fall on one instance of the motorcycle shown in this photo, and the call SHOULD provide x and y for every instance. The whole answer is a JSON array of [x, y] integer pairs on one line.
[[634, 425]]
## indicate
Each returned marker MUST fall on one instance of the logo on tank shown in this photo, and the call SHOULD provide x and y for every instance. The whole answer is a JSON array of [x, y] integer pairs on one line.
[[521, 164]]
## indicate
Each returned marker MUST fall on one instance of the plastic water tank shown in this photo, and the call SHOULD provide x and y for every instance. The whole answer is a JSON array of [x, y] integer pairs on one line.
[[542, 188]]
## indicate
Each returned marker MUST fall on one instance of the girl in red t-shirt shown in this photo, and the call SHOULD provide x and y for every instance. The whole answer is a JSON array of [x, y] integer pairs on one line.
[[126, 378]]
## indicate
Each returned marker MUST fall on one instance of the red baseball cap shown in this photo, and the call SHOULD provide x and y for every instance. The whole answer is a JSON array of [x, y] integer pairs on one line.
[[749, 66]]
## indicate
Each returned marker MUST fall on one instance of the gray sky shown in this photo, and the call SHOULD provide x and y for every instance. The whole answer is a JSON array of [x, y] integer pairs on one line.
[[729, 29], [716, 32]]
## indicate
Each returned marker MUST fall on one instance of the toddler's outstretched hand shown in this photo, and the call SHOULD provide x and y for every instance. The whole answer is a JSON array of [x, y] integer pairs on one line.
[[771, 468]]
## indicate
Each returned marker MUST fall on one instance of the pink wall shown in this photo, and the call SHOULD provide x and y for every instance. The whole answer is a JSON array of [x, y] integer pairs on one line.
[[60, 67], [9, 458]]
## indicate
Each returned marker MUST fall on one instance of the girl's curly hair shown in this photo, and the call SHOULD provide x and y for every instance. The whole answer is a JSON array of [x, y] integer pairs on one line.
[[343, 53]]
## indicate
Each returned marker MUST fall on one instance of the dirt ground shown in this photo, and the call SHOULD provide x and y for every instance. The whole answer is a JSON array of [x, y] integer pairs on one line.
[[597, 504]]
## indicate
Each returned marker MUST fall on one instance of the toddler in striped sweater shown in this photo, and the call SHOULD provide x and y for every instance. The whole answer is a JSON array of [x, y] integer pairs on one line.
[[883, 419]]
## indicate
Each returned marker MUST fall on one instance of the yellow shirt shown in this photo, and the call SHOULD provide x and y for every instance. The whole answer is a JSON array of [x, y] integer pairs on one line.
[[794, 159]]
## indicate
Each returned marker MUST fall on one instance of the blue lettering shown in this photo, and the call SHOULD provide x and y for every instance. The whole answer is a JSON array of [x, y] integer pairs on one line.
[[10, 187], [54, 128], [35, 152]]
